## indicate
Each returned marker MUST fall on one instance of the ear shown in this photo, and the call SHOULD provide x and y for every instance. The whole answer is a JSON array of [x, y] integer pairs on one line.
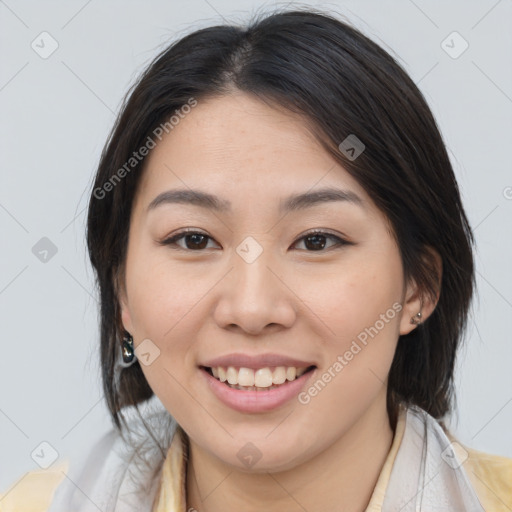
[[417, 300], [120, 289]]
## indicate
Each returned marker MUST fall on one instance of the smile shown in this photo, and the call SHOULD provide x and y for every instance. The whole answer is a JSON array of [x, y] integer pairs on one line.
[[265, 394], [249, 379]]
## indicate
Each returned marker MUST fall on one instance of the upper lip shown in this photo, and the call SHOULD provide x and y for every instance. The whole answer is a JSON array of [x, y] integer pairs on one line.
[[255, 362]]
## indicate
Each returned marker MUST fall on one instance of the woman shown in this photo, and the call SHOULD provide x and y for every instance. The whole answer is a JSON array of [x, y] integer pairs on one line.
[[285, 270]]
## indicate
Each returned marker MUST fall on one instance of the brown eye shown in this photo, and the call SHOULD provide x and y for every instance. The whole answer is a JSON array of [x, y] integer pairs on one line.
[[317, 241], [193, 240], [197, 241]]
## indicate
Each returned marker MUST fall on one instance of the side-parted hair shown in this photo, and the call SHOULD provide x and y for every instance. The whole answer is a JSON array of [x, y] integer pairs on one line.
[[341, 83]]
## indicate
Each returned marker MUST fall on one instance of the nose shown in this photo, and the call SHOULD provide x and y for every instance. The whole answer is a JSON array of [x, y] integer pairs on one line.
[[254, 299]]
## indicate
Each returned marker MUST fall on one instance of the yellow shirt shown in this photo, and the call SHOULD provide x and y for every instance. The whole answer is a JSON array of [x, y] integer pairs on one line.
[[490, 475]]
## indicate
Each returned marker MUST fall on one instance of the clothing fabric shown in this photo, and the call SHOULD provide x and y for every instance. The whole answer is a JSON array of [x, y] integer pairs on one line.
[[426, 470]]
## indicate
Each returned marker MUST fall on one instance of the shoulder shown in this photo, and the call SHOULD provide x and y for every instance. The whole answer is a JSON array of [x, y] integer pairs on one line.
[[34, 490], [124, 467], [120, 465], [490, 475], [38, 490]]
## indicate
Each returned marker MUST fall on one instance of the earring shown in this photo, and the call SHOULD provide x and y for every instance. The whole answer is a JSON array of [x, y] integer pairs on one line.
[[416, 319], [128, 351]]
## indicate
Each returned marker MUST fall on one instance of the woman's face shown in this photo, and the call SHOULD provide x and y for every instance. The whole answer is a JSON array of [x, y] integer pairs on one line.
[[255, 290]]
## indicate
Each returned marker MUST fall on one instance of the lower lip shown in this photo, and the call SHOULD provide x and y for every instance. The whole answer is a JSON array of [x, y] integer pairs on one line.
[[256, 401]]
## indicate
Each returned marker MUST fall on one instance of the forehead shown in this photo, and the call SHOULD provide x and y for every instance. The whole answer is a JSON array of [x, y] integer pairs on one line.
[[238, 146]]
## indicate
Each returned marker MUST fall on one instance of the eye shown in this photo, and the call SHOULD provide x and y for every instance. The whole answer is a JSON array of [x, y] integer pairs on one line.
[[193, 240], [315, 241]]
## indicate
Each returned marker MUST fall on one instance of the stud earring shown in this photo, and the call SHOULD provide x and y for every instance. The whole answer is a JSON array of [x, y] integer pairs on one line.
[[416, 319], [128, 351]]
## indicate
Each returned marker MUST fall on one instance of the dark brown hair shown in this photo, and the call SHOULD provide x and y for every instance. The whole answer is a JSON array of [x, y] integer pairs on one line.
[[342, 83]]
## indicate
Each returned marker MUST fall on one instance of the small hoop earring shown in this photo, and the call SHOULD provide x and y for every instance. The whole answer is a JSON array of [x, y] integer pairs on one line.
[[416, 320], [128, 352]]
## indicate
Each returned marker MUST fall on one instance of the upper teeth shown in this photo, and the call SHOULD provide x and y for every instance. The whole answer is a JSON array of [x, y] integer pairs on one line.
[[262, 378]]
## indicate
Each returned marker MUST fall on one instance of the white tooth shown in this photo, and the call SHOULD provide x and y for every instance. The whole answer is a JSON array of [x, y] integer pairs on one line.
[[279, 375], [246, 377], [222, 374], [263, 378], [232, 375], [291, 372], [301, 371], [215, 372]]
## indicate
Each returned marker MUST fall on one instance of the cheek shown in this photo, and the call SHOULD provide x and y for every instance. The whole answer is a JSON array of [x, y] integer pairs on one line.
[[163, 293], [361, 308], [356, 295], [165, 304], [354, 373]]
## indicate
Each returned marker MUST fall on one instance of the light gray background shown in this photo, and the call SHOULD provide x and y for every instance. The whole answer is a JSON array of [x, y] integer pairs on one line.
[[56, 114]]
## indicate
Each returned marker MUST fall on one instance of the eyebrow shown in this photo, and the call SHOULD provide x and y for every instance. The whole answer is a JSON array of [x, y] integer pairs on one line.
[[291, 203]]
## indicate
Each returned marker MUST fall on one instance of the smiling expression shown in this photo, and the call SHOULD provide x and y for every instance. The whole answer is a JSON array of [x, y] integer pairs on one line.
[[252, 286]]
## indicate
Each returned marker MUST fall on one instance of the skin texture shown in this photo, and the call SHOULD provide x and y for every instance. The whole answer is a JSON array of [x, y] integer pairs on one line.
[[196, 304]]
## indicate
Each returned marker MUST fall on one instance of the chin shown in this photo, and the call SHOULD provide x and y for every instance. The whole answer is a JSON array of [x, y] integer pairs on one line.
[[253, 457]]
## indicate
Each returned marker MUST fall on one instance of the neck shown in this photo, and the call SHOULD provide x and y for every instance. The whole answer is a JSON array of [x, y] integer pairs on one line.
[[340, 478]]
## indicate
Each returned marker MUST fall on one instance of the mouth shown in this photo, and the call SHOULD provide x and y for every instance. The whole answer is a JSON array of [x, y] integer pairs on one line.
[[253, 384], [256, 379]]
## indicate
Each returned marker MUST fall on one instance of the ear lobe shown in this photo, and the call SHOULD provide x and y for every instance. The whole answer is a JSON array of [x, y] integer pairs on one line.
[[414, 311], [120, 290], [126, 319], [419, 304]]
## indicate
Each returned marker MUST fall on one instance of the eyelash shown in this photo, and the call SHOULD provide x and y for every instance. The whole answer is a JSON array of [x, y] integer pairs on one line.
[[171, 241]]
